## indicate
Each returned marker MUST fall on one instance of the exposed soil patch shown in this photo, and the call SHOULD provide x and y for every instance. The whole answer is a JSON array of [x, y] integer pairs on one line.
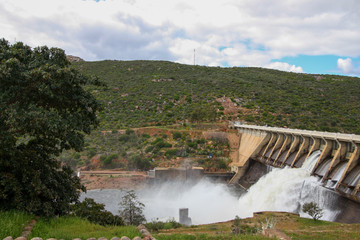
[[110, 179]]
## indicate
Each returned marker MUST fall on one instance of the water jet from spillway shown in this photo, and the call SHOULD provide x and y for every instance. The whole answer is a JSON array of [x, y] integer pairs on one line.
[[286, 190]]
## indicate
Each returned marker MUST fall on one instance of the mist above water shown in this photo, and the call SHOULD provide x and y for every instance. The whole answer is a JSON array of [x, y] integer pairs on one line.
[[280, 190], [207, 202]]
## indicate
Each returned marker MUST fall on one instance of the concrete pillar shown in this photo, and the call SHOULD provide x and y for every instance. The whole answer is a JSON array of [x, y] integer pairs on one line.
[[277, 145], [351, 164], [302, 149], [285, 145], [184, 216], [315, 146], [292, 148], [339, 154], [269, 145], [324, 154]]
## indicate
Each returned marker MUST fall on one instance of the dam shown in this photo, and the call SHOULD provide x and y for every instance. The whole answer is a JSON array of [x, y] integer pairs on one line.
[[334, 159], [338, 163], [274, 169]]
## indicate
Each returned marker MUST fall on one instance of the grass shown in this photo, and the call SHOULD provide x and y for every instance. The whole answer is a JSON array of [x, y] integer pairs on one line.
[[291, 224], [12, 223], [68, 228], [209, 237]]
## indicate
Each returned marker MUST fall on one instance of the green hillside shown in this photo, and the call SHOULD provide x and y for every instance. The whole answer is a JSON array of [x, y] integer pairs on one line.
[[142, 93]]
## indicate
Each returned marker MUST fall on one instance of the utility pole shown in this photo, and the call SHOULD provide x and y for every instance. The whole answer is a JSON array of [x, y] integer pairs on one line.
[[194, 57]]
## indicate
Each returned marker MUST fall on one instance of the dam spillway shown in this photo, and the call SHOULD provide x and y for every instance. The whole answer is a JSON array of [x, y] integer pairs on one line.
[[337, 163]]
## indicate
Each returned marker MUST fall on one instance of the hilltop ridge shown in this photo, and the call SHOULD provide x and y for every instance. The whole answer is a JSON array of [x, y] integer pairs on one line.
[[144, 93]]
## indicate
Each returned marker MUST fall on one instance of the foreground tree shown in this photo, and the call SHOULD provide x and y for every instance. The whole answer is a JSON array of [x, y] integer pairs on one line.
[[95, 213], [131, 209], [44, 109], [313, 210]]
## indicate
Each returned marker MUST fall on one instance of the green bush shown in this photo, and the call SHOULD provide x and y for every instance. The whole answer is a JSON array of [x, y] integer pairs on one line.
[[177, 135], [171, 153], [95, 213], [149, 148], [144, 135], [129, 131], [139, 162], [156, 225]]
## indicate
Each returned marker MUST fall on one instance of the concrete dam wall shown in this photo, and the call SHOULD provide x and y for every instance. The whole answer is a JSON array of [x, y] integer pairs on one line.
[[337, 163]]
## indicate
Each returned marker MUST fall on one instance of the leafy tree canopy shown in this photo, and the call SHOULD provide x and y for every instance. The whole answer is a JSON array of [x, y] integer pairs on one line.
[[131, 209], [44, 110], [313, 210]]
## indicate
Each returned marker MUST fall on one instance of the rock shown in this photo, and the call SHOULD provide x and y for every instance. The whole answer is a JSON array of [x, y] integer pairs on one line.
[[149, 238], [28, 228], [77, 239], [115, 238], [136, 238], [8, 238], [20, 238], [36, 238], [124, 238], [102, 238], [91, 239], [74, 58], [52, 239], [145, 232], [141, 226]]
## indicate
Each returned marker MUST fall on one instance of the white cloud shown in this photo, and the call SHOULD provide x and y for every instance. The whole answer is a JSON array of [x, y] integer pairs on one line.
[[254, 32], [347, 66], [283, 66]]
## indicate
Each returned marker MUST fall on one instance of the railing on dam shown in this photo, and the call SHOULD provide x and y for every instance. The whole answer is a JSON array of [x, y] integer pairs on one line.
[[337, 160]]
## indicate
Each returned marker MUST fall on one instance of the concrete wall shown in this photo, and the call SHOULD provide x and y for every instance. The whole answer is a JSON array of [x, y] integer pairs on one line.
[[338, 165]]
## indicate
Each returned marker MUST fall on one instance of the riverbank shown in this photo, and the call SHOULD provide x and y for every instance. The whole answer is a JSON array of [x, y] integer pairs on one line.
[[112, 179]]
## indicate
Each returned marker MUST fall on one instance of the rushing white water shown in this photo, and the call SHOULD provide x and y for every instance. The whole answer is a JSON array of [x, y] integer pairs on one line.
[[287, 190], [284, 189]]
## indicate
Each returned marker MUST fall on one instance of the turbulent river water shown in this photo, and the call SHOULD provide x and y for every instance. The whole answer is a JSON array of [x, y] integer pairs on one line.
[[284, 189]]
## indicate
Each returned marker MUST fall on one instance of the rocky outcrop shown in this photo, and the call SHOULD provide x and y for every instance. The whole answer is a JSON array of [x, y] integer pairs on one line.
[[74, 58]]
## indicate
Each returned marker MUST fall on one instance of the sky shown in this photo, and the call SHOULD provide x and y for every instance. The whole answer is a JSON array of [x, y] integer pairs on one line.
[[307, 36]]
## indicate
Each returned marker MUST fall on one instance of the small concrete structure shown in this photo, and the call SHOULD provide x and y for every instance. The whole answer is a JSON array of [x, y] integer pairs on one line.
[[182, 174], [184, 216]]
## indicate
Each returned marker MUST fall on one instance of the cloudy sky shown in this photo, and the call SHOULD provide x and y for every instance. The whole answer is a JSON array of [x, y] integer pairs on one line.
[[311, 36]]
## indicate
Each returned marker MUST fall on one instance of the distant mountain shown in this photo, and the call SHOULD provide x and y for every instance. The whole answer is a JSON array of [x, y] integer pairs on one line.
[[141, 93]]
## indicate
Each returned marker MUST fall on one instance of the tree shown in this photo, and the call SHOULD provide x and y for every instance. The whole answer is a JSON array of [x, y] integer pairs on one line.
[[95, 212], [313, 210], [131, 209], [44, 110]]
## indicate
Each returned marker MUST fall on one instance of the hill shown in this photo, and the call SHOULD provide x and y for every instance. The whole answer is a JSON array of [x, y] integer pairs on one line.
[[143, 93]]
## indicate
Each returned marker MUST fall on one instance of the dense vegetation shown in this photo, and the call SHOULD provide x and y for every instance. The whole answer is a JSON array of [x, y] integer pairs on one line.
[[44, 110], [141, 93], [138, 150]]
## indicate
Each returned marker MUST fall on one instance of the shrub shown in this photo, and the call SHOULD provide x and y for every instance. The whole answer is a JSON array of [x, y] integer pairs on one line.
[[95, 213], [313, 210], [132, 209], [129, 131], [158, 225], [171, 153], [176, 135], [139, 162]]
